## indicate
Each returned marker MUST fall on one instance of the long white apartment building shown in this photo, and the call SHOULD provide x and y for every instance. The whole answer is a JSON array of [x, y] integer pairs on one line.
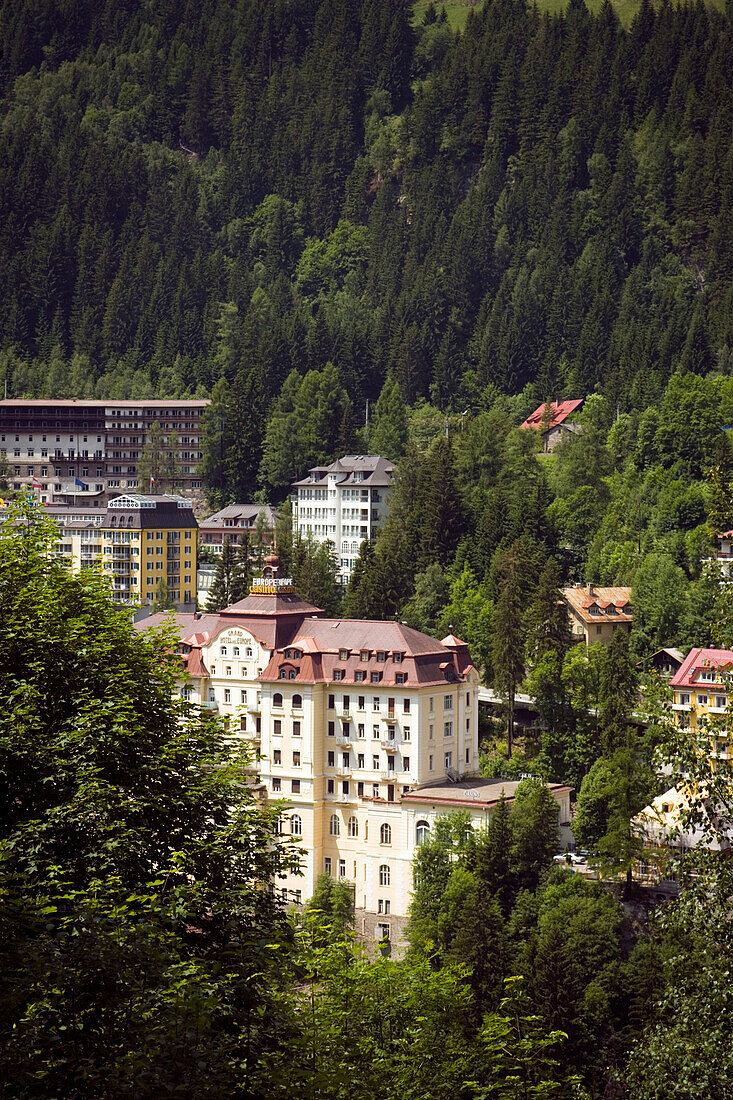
[[366, 730], [344, 503]]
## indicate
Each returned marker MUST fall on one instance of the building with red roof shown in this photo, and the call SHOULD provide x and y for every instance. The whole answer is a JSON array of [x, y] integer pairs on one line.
[[348, 717], [701, 690], [596, 611], [553, 419]]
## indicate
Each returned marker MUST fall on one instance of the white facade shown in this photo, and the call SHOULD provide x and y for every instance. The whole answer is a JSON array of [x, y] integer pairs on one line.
[[345, 504]]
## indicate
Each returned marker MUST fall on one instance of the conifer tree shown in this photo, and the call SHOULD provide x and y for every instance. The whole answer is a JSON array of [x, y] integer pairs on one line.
[[387, 431], [508, 634]]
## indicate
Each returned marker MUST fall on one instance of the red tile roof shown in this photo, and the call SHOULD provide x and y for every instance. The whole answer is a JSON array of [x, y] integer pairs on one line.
[[559, 411], [698, 659], [472, 792], [612, 605]]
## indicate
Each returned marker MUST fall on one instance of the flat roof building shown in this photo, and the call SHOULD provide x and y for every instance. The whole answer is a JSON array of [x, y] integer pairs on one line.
[[78, 451]]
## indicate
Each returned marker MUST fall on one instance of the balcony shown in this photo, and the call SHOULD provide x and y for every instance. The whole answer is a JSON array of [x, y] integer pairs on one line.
[[254, 708], [389, 716], [717, 710], [343, 739], [681, 706], [345, 771], [390, 746], [210, 704], [345, 714], [388, 775]]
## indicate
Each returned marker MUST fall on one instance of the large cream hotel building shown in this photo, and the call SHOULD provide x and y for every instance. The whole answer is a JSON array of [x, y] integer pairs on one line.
[[368, 730]]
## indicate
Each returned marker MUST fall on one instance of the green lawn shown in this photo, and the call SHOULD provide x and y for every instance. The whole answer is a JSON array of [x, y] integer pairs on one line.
[[457, 10]]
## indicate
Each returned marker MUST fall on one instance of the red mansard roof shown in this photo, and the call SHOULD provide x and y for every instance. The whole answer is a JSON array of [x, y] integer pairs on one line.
[[559, 411], [698, 659]]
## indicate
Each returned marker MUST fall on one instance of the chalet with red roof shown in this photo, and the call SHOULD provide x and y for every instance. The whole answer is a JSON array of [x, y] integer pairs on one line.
[[554, 420], [701, 691]]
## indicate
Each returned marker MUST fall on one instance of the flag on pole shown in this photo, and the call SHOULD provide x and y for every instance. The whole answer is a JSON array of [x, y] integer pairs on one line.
[[152, 482], [80, 483], [36, 483]]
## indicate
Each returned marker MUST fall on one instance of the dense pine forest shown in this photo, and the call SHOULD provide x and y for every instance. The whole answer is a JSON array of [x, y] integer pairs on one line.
[[539, 205]]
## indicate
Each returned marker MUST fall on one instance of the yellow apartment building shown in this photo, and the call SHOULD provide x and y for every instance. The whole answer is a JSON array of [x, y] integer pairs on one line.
[[138, 540], [701, 689]]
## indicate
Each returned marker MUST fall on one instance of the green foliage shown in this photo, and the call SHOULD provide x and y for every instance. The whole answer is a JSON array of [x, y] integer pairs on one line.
[[134, 855], [232, 578]]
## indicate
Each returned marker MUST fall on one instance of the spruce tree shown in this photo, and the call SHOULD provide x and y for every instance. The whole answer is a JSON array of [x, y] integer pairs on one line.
[[508, 633]]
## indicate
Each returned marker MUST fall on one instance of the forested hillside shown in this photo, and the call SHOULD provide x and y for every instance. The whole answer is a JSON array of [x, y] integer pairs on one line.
[[235, 190]]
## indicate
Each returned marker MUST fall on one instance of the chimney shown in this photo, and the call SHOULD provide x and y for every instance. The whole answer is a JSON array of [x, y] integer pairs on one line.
[[197, 615], [590, 589]]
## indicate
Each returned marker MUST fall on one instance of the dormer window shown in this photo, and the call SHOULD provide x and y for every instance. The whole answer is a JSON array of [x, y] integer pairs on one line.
[[707, 676], [381, 655], [343, 655], [338, 674], [397, 658], [365, 654]]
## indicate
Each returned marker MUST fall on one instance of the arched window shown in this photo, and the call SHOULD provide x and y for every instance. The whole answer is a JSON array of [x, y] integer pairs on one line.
[[236, 651], [291, 674], [334, 826], [249, 650], [353, 826], [385, 834], [277, 699], [223, 650], [422, 832], [296, 825], [297, 702], [384, 873]]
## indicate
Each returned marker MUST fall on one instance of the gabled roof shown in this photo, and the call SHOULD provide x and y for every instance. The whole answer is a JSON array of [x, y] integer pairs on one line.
[[559, 412], [594, 604], [697, 660], [240, 511]]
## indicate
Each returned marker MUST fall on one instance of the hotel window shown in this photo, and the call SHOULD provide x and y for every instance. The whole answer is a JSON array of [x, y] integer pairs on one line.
[[330, 786], [364, 655], [383, 906], [333, 826], [447, 729], [235, 651], [382, 932], [448, 760], [345, 786], [327, 865], [331, 759], [703, 699], [277, 727], [721, 701], [685, 698], [405, 733], [430, 763], [375, 732], [277, 785], [375, 677], [422, 832], [296, 759], [227, 695], [360, 789], [375, 762], [296, 729], [405, 763], [331, 729], [297, 702], [375, 790], [360, 760], [338, 674], [359, 676], [243, 695], [222, 651], [360, 702], [295, 786], [228, 670], [381, 655], [385, 834], [342, 868], [296, 825], [384, 872], [331, 702], [447, 702], [277, 756], [360, 731], [343, 655], [353, 826]]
